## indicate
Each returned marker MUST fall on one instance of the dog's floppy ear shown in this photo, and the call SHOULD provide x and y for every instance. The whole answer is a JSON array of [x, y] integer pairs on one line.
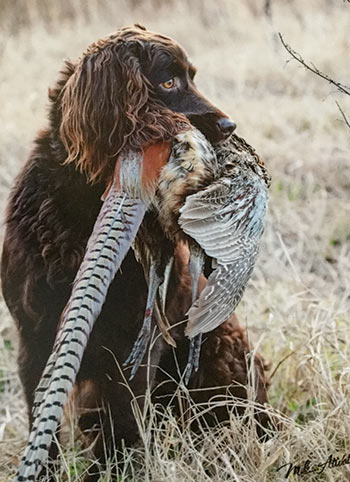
[[107, 105]]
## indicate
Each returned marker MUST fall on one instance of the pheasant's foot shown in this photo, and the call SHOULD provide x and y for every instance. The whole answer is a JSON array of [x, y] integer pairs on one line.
[[139, 349], [193, 357]]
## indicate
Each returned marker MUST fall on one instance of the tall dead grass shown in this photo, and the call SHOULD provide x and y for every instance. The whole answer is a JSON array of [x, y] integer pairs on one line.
[[296, 308]]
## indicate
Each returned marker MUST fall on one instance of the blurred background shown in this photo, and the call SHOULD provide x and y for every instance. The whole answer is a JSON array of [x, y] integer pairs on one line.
[[296, 308]]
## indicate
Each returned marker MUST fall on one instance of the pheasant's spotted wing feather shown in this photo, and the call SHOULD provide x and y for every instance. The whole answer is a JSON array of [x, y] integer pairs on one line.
[[226, 219], [114, 231]]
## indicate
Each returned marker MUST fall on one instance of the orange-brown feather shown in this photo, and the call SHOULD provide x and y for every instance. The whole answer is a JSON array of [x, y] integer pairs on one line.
[[155, 157]]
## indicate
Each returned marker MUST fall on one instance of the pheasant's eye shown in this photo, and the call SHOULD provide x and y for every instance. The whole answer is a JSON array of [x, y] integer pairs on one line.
[[169, 84]]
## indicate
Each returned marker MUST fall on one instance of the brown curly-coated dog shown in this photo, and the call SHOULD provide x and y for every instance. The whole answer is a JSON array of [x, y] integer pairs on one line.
[[128, 89]]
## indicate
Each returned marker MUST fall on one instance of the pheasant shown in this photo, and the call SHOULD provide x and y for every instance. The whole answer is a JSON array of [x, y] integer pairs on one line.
[[212, 198], [215, 201]]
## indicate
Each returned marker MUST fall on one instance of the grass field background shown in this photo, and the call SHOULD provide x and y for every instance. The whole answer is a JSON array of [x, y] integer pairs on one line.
[[296, 308]]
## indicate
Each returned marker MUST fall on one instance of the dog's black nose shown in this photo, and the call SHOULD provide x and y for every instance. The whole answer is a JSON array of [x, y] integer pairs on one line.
[[226, 126]]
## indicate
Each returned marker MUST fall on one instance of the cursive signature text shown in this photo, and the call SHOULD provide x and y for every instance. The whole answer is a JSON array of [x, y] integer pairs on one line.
[[311, 468]]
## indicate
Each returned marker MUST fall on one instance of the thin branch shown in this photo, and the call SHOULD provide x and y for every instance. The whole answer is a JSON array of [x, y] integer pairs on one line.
[[291, 353], [341, 87], [344, 116]]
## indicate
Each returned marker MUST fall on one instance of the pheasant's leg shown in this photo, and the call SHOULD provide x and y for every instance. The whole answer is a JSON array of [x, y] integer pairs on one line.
[[195, 269], [140, 346], [163, 289]]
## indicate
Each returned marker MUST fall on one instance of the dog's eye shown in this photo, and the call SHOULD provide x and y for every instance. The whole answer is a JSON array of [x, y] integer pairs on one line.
[[169, 84]]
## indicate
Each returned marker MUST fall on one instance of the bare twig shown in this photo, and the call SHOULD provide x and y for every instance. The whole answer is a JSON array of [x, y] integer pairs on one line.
[[341, 87], [343, 115], [291, 353]]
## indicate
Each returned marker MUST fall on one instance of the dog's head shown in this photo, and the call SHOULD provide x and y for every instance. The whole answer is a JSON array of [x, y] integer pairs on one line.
[[172, 77], [127, 90]]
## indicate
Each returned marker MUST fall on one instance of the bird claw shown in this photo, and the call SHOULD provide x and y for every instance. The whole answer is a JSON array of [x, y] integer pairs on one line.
[[193, 357], [139, 349]]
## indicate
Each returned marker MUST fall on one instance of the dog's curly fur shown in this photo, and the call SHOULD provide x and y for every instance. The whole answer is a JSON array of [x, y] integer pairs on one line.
[[110, 99]]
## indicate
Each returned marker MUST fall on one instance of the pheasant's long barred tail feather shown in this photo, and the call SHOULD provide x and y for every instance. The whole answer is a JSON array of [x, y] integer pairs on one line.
[[114, 231]]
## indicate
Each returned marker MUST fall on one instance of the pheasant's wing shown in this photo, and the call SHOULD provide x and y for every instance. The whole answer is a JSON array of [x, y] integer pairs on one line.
[[114, 231], [226, 219]]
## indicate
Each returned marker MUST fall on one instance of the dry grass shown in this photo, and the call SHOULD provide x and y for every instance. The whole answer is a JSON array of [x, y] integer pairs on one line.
[[297, 305]]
